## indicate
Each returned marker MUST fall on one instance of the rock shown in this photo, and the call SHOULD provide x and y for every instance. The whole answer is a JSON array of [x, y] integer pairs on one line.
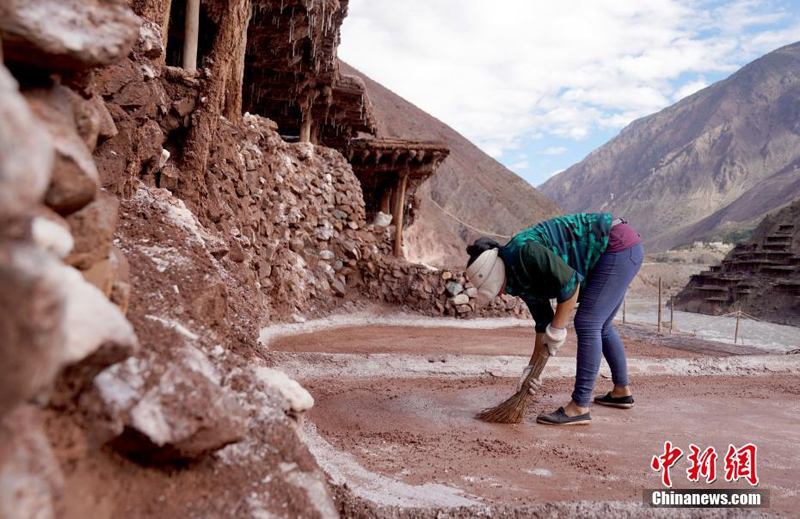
[[453, 288], [108, 127], [87, 121], [68, 34], [463, 309], [339, 287], [96, 334], [447, 275], [472, 291], [183, 414], [31, 316], [74, 180], [184, 106], [93, 229], [150, 42], [26, 154], [296, 400], [52, 233], [31, 483], [101, 275], [460, 299]]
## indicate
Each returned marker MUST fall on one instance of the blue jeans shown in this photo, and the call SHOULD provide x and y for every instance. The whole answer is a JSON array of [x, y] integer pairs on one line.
[[594, 321]]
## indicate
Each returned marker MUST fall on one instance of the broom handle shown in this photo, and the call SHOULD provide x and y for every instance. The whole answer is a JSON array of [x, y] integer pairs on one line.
[[538, 361]]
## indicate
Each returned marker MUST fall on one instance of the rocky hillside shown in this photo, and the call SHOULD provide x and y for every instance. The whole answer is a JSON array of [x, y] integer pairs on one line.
[[148, 230], [470, 191], [709, 167], [760, 276]]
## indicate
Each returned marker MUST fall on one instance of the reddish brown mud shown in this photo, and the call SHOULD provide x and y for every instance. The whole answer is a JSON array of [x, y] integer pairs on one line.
[[422, 432]]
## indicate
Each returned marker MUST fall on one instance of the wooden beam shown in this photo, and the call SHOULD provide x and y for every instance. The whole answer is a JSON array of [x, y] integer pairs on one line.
[[398, 216], [191, 35]]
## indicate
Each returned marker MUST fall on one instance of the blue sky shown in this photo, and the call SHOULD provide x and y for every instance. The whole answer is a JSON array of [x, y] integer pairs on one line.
[[540, 84]]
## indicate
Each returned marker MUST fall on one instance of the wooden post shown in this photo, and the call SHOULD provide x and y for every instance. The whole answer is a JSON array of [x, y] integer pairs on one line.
[[398, 214], [191, 35], [624, 316], [671, 312], [305, 127], [659, 305], [386, 201], [736, 331]]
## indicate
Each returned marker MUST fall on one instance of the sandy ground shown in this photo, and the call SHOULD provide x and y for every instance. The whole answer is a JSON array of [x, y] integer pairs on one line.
[[394, 419]]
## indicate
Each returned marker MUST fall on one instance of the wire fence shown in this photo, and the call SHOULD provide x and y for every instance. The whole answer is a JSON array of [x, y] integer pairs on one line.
[[663, 326]]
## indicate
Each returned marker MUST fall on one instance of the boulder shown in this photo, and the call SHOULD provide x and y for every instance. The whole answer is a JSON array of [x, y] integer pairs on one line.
[[181, 414], [93, 229], [96, 334], [295, 399], [68, 34], [26, 152], [31, 317], [31, 483], [52, 233], [150, 43], [74, 180]]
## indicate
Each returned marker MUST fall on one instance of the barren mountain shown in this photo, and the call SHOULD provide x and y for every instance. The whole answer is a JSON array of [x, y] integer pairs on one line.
[[709, 167], [469, 194]]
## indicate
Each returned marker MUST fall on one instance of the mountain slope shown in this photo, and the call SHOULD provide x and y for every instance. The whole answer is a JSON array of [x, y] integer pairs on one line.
[[470, 187], [712, 164]]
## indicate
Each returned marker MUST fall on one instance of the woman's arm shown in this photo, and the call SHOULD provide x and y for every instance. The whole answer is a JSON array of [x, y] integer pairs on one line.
[[564, 310]]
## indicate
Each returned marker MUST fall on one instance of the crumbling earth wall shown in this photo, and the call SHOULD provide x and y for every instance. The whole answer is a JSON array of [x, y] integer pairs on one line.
[[147, 232]]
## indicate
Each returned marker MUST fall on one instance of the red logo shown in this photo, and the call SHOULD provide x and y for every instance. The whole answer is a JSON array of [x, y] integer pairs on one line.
[[702, 464], [665, 462], [741, 463]]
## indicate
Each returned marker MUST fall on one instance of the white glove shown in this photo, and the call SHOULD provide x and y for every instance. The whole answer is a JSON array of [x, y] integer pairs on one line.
[[554, 338], [536, 383]]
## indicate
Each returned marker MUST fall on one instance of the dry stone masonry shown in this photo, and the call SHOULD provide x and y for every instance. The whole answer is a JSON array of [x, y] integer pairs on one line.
[[761, 277], [153, 218]]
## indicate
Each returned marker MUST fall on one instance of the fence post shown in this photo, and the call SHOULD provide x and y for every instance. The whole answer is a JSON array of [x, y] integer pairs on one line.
[[736, 331], [671, 312], [659, 305], [624, 317]]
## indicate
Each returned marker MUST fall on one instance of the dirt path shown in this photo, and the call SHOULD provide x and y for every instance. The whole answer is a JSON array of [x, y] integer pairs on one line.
[[394, 418]]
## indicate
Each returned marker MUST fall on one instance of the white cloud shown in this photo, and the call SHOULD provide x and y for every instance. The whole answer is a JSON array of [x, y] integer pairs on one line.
[[689, 89], [518, 166], [504, 73], [554, 150]]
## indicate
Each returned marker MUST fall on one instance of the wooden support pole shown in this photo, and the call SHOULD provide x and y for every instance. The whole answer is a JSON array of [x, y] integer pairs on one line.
[[386, 202], [305, 127], [624, 316], [736, 331], [191, 35], [398, 216], [659, 305]]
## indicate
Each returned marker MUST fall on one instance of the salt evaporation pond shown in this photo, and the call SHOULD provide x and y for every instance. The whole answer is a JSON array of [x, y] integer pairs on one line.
[[773, 338]]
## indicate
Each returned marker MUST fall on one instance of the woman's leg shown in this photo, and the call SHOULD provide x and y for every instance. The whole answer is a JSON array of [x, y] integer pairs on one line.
[[599, 303]]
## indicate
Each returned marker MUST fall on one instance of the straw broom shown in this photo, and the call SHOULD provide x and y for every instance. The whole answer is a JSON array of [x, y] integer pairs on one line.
[[513, 409]]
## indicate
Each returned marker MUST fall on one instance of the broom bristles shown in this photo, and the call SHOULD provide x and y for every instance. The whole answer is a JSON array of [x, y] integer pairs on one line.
[[513, 409], [510, 411]]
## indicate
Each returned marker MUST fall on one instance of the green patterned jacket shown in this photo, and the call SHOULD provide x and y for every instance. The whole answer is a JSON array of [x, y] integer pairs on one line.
[[548, 260]]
